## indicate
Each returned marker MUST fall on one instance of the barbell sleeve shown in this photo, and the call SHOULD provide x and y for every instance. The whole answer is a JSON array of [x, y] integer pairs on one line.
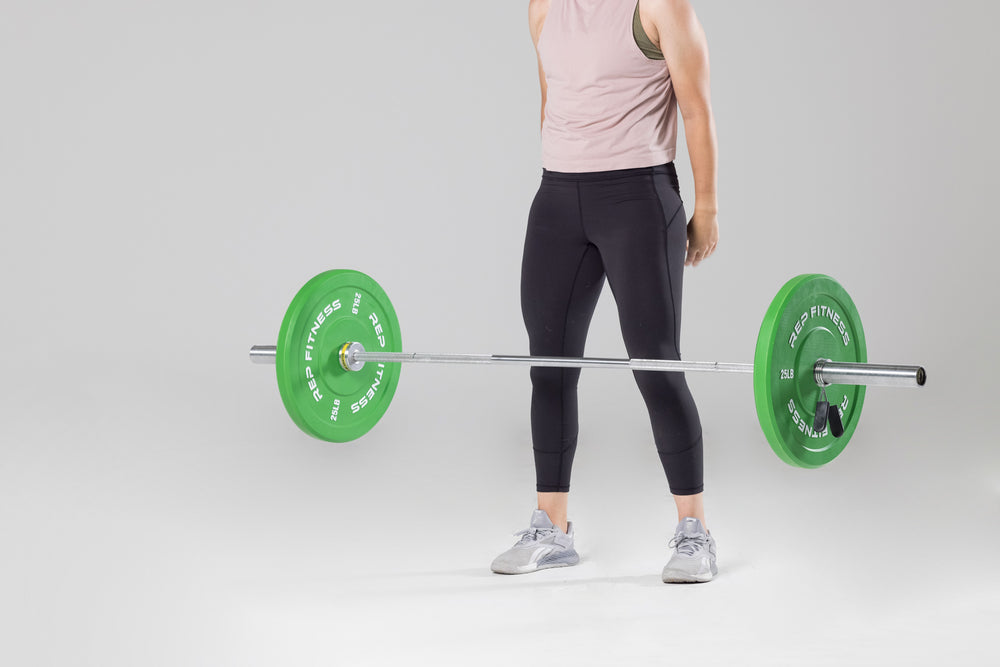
[[828, 372]]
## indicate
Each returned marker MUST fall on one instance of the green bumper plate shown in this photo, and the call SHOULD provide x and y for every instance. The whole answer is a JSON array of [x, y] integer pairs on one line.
[[322, 398], [812, 317]]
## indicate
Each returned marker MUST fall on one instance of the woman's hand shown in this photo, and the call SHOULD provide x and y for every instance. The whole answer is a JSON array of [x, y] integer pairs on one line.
[[703, 236]]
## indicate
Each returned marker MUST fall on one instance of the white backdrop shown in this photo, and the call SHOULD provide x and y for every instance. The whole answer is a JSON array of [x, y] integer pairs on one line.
[[171, 173]]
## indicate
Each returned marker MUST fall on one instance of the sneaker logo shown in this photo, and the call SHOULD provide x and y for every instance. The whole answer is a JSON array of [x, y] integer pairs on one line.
[[539, 552]]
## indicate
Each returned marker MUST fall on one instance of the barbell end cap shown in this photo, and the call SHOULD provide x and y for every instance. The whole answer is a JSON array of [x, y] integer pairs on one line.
[[921, 376], [349, 356], [264, 354]]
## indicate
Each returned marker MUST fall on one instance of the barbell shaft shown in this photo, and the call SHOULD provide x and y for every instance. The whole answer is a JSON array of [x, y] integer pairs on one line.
[[825, 372], [554, 362]]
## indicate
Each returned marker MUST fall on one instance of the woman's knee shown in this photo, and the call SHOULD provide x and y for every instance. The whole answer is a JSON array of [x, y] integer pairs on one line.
[[554, 380], [658, 386]]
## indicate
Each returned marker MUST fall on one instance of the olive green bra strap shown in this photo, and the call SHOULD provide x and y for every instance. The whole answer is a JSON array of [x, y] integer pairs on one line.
[[642, 40]]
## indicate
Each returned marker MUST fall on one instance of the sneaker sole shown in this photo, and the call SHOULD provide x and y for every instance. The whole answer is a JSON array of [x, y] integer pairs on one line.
[[678, 577], [528, 569]]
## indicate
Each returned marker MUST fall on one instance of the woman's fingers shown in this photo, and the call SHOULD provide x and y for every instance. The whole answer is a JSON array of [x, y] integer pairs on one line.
[[698, 254], [702, 237]]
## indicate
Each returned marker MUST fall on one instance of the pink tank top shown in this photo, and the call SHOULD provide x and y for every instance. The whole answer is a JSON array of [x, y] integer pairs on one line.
[[608, 106]]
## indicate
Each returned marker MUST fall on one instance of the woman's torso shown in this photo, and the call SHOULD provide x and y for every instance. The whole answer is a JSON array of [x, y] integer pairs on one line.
[[608, 106]]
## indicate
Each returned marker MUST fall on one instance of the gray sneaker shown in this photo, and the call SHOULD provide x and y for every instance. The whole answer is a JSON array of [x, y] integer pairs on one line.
[[694, 555], [541, 546]]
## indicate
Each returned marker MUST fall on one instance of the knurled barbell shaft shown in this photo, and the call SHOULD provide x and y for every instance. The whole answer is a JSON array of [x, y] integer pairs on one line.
[[553, 362], [825, 372]]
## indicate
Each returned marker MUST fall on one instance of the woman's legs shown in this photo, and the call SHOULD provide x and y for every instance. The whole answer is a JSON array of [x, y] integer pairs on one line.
[[561, 280], [640, 229], [635, 229], [556, 506], [642, 235], [692, 506]]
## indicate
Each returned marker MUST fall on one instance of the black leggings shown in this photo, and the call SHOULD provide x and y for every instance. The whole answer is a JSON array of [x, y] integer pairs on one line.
[[629, 225]]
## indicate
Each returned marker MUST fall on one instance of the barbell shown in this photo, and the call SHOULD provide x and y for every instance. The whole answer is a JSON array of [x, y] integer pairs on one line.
[[339, 355]]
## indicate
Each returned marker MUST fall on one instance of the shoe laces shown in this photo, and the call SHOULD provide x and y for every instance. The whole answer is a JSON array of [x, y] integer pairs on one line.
[[529, 535], [688, 545]]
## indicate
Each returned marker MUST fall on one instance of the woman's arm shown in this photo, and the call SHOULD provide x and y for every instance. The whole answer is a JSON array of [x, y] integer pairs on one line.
[[679, 35], [537, 11]]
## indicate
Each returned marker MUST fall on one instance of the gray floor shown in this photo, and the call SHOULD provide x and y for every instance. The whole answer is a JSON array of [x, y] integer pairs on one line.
[[156, 543]]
